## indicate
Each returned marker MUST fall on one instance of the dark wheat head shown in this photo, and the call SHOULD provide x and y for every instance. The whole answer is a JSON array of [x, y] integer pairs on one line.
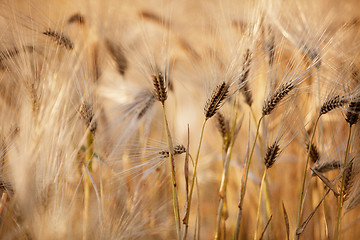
[[222, 124], [272, 153], [59, 38], [178, 149], [274, 99], [86, 113], [349, 179], [160, 87], [352, 114], [145, 108], [314, 153], [214, 103], [244, 76], [331, 104], [327, 166], [118, 55]]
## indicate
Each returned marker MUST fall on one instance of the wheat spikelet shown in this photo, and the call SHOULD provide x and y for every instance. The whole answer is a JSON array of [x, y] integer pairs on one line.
[[244, 77], [178, 149], [86, 113], [222, 125], [147, 105], [352, 114], [10, 53], [214, 103], [272, 153], [160, 87], [332, 103], [118, 55], [6, 55], [270, 46], [348, 180], [274, 99], [76, 18], [59, 38], [313, 53], [314, 153], [327, 166]]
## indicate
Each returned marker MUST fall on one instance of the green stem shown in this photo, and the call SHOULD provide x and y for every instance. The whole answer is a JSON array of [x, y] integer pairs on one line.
[[341, 199], [173, 177], [259, 203], [304, 178], [244, 182]]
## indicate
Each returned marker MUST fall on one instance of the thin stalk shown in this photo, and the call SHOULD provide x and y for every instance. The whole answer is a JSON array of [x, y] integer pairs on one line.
[[101, 192], [186, 219], [259, 137], [244, 182], [319, 102], [267, 198], [197, 228], [87, 182], [298, 231], [263, 182], [3, 201], [341, 199], [225, 175], [173, 177], [304, 178]]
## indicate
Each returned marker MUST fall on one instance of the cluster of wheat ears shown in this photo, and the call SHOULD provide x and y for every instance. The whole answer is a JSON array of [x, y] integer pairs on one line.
[[179, 119]]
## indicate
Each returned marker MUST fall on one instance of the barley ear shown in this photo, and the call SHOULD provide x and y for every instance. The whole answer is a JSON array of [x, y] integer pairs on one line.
[[160, 87], [274, 99], [214, 103], [332, 103], [352, 114], [271, 154]]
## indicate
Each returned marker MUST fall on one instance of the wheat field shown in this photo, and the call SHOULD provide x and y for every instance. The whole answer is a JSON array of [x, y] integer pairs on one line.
[[166, 119]]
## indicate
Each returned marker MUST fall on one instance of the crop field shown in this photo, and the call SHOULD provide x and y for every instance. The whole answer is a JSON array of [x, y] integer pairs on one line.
[[164, 119]]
